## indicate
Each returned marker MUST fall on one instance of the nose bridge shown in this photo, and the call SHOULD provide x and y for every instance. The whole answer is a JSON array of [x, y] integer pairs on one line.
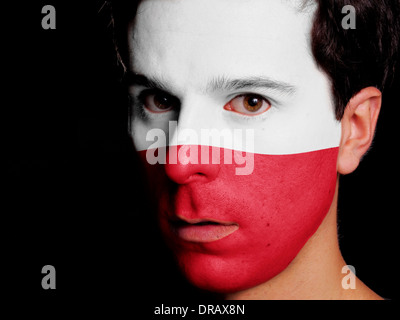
[[187, 160], [194, 114]]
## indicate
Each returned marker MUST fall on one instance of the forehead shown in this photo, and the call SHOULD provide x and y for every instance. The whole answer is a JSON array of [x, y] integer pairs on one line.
[[221, 37]]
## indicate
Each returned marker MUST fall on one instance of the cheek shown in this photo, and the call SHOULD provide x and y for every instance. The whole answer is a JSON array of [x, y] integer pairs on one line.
[[287, 193], [278, 208]]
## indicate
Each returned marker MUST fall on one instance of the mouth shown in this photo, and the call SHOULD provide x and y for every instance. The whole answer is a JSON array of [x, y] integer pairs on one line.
[[202, 230]]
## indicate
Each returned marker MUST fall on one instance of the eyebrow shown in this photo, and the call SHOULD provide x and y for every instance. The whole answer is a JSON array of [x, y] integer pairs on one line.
[[220, 83], [225, 84], [132, 78]]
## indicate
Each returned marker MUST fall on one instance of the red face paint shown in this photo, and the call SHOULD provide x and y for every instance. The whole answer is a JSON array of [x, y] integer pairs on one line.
[[231, 232]]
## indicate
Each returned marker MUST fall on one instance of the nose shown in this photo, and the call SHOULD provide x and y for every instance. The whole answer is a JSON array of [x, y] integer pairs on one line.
[[189, 163]]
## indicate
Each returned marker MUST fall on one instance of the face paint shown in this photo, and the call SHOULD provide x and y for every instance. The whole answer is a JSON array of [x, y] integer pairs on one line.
[[198, 67], [264, 219]]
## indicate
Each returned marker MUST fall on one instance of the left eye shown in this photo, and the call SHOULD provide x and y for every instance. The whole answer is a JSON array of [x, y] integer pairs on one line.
[[249, 104]]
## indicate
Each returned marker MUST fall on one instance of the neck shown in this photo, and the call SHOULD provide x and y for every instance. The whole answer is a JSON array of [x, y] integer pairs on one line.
[[315, 273]]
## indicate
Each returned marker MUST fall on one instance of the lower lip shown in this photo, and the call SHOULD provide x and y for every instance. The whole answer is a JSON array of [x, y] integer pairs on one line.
[[205, 233]]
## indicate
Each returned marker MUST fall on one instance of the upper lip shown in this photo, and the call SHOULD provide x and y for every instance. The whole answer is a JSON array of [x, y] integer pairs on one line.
[[184, 220]]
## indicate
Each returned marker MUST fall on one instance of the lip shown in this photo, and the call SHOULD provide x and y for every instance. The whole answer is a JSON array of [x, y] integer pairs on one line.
[[202, 230]]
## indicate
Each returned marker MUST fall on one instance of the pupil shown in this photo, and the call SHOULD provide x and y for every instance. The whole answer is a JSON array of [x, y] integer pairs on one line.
[[161, 101], [253, 101]]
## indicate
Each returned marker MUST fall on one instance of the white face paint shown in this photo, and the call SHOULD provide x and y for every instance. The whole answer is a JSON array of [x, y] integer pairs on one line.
[[205, 53]]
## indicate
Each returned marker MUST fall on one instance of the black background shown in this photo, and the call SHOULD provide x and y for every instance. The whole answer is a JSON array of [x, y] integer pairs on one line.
[[76, 199]]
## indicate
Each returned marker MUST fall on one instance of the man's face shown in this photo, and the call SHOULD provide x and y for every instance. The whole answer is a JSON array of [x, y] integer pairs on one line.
[[233, 65]]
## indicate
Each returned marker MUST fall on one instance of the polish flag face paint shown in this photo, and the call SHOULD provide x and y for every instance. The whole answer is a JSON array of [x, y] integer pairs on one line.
[[240, 144]]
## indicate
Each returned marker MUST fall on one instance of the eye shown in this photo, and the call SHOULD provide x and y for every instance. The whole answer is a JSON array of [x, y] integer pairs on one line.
[[158, 102], [248, 104]]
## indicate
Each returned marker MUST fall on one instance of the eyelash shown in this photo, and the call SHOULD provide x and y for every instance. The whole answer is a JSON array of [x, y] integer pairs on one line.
[[145, 114], [243, 117], [140, 105]]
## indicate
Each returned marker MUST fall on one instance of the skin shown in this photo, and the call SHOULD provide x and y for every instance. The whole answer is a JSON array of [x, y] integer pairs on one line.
[[310, 278], [184, 44]]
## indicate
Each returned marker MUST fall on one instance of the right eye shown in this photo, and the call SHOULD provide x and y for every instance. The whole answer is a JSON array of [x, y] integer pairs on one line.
[[159, 102]]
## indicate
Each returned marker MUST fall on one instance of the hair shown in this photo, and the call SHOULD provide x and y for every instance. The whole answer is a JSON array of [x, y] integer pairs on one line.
[[356, 58], [353, 59]]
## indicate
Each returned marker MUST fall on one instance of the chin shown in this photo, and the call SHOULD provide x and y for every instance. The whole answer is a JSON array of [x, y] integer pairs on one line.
[[227, 273]]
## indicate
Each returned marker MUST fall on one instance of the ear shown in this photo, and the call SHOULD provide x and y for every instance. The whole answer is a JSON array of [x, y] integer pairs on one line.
[[358, 128]]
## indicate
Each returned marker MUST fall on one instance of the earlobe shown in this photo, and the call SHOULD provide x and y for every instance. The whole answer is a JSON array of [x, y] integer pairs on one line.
[[358, 128]]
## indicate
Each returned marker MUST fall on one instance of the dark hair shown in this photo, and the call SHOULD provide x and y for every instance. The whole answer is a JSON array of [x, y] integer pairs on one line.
[[352, 58], [356, 58]]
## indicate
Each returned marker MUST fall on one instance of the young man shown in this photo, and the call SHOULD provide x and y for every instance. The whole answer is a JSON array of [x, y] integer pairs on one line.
[[289, 100]]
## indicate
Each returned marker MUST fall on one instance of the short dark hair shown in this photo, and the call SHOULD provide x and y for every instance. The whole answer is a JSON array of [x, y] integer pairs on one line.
[[356, 58], [352, 58]]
